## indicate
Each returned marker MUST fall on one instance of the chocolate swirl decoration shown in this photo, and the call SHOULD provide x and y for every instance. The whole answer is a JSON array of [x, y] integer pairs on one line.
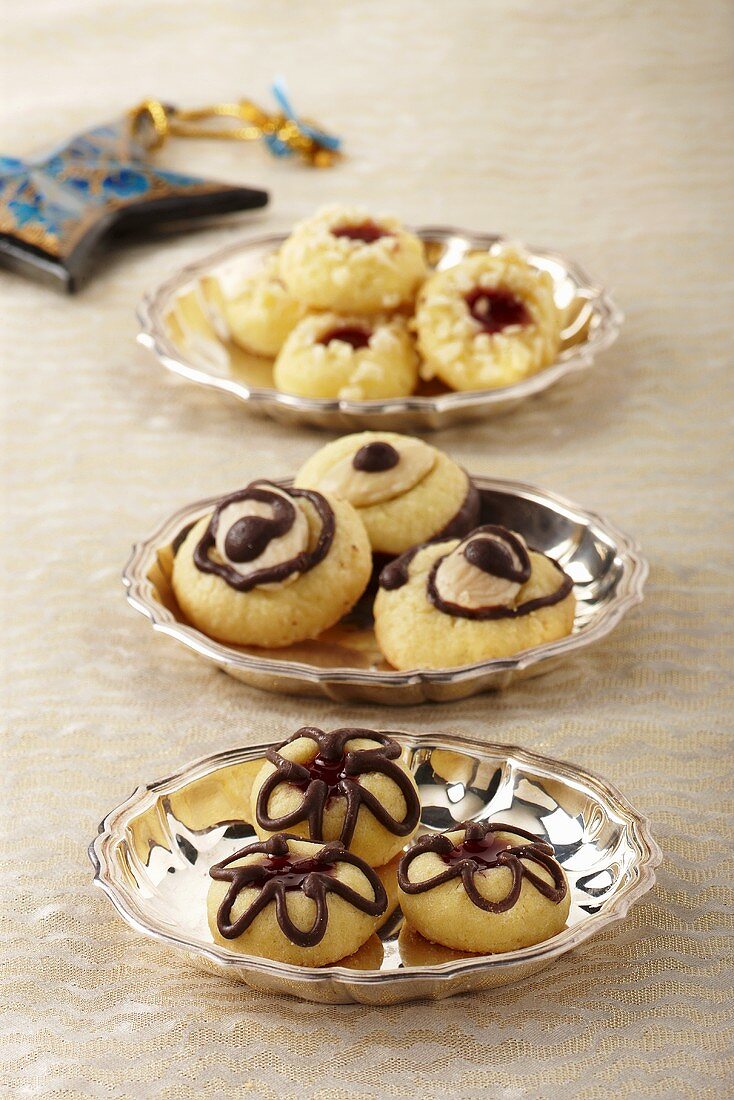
[[490, 560], [482, 850], [248, 537], [333, 773], [279, 873]]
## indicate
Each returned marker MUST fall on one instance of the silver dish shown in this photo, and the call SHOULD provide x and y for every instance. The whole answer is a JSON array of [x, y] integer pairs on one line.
[[345, 664], [180, 324], [153, 853]]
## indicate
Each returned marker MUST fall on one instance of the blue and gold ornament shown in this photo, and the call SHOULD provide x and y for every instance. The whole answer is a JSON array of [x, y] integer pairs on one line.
[[56, 209]]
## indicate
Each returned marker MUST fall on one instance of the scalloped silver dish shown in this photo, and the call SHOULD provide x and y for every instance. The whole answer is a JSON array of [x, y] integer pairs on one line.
[[153, 853], [181, 326], [345, 664]]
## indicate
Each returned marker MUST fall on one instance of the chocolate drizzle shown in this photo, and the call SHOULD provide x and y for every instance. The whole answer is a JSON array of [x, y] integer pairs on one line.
[[335, 773], [180, 538], [395, 575], [466, 518], [375, 457], [252, 534], [481, 851], [495, 309], [279, 872], [499, 562]]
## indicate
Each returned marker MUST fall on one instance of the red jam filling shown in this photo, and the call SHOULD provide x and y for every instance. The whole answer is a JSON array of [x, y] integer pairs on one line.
[[496, 309], [484, 851], [367, 232], [348, 334], [330, 771], [292, 872]]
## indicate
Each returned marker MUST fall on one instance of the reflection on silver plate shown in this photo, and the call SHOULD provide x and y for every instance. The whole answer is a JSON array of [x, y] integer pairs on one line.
[[153, 853], [180, 323], [345, 663]]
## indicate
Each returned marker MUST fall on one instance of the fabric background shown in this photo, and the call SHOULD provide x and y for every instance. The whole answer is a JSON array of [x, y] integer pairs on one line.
[[603, 130]]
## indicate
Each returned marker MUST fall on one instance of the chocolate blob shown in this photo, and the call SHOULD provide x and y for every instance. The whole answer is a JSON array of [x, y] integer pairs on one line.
[[501, 554], [250, 536], [375, 457]]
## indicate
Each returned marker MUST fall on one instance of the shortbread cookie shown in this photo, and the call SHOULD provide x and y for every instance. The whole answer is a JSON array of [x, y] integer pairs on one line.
[[348, 357], [345, 260], [454, 603], [258, 310], [294, 901], [272, 566], [404, 490], [484, 887], [489, 321], [348, 785]]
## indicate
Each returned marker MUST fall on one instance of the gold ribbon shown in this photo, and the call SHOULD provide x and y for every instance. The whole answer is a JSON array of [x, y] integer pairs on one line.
[[154, 122]]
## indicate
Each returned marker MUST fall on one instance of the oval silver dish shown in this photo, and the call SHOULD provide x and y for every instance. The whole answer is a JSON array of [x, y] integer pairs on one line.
[[345, 664], [180, 325], [153, 854]]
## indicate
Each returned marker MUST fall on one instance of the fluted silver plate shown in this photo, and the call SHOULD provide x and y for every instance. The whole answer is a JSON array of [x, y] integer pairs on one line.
[[181, 326], [153, 853], [345, 663]]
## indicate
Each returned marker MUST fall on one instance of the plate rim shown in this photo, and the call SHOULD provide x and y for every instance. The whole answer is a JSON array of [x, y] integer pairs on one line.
[[139, 594], [152, 337], [638, 825]]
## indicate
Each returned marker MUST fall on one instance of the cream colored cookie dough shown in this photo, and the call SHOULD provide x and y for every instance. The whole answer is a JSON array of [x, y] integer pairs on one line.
[[347, 929], [409, 503], [490, 348], [413, 633], [371, 840], [278, 615], [258, 311], [345, 260], [348, 357], [446, 914]]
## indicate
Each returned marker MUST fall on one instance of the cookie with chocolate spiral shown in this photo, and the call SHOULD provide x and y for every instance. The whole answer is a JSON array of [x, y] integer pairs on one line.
[[271, 565], [453, 602]]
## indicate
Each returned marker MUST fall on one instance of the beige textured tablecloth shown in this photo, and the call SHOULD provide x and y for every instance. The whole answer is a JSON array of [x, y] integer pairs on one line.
[[604, 130]]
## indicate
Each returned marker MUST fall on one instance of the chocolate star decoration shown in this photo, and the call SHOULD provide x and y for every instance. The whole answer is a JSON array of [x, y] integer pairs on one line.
[[57, 209]]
